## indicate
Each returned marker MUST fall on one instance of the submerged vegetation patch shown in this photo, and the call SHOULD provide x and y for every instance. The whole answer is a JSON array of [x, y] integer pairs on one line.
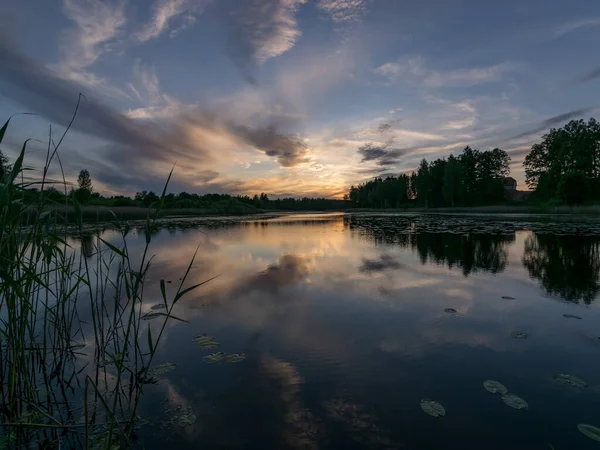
[[570, 380]]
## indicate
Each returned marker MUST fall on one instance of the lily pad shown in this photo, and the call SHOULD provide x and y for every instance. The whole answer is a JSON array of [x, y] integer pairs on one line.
[[186, 419], [495, 387], [154, 374], [515, 402], [590, 431], [450, 310], [235, 357], [158, 306], [215, 357], [571, 380], [571, 316], [507, 297], [433, 408], [205, 341], [519, 335]]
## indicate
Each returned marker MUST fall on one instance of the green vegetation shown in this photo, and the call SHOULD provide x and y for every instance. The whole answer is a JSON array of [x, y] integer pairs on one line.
[[74, 349], [566, 164]]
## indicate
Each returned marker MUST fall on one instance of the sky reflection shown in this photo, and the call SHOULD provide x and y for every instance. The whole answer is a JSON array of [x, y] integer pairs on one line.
[[343, 324]]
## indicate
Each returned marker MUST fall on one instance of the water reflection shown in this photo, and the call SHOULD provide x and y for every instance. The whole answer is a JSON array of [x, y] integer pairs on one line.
[[343, 324], [566, 266], [87, 245], [470, 252]]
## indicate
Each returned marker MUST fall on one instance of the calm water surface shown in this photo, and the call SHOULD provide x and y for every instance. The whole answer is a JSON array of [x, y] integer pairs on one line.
[[342, 319]]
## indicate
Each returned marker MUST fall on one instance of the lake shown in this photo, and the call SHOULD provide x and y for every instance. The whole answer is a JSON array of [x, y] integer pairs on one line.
[[341, 324]]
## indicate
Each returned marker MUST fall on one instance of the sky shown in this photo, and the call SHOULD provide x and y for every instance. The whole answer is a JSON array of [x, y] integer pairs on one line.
[[284, 96]]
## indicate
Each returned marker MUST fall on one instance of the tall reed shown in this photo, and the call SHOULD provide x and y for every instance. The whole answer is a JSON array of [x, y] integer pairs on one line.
[[48, 393]]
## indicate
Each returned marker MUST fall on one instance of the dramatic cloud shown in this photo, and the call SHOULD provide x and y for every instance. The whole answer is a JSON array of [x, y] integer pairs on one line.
[[260, 30], [414, 70], [97, 24], [173, 15], [192, 138], [381, 154]]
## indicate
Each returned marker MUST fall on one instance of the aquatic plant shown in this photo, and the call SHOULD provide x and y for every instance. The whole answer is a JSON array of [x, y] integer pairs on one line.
[[432, 408], [495, 387], [65, 376]]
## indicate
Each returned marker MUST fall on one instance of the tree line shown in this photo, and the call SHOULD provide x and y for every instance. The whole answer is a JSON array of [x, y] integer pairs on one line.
[[239, 204], [563, 168], [472, 178]]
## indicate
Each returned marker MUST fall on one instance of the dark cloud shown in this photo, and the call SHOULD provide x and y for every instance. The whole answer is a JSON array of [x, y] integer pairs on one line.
[[591, 76], [385, 262], [289, 150], [133, 143], [382, 154], [258, 30], [553, 121], [384, 127]]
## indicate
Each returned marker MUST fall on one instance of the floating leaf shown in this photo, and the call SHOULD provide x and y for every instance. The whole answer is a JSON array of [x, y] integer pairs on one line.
[[450, 310], [571, 380], [154, 374], [158, 306], [186, 419], [590, 431], [494, 387], [235, 357], [571, 316], [205, 341], [514, 402], [507, 297], [433, 408], [215, 357], [519, 335]]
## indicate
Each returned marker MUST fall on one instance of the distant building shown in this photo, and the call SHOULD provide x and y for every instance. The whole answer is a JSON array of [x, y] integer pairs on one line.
[[510, 184]]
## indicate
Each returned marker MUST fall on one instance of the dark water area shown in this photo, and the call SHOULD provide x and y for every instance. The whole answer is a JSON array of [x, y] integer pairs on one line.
[[347, 322]]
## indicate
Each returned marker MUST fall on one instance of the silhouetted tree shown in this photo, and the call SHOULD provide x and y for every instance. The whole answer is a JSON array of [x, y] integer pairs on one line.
[[453, 176], [575, 147], [84, 191], [574, 187]]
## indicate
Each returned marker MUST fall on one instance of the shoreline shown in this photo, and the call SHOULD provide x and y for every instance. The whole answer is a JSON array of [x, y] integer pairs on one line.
[[98, 214]]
